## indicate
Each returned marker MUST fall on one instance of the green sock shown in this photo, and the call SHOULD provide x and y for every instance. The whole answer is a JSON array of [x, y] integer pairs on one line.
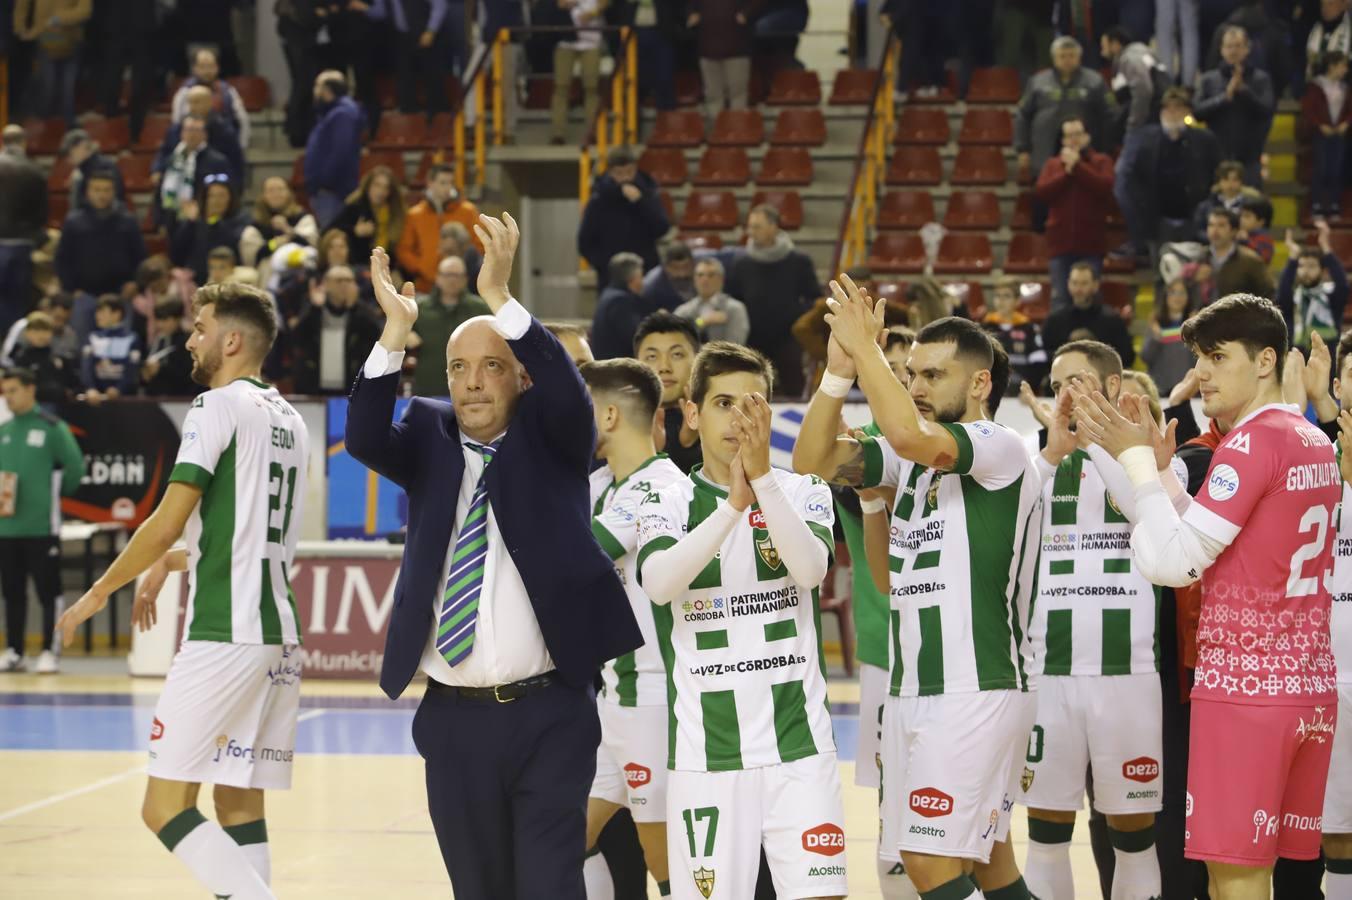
[[252, 838], [958, 889], [1015, 891]]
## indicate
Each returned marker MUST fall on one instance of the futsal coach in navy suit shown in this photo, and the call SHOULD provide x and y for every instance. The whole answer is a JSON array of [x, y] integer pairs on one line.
[[505, 602]]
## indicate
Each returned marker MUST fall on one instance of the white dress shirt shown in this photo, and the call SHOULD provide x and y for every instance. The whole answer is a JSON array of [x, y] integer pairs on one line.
[[508, 645]]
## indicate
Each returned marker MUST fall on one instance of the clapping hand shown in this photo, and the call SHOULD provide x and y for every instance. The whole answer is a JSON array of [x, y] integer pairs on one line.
[[740, 495], [1164, 440], [854, 318], [751, 420], [1105, 425], [1061, 441], [1318, 367], [1035, 405], [400, 307], [500, 238]]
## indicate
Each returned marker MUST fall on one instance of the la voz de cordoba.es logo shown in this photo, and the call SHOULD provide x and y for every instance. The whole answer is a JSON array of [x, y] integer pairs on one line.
[[826, 839], [931, 802]]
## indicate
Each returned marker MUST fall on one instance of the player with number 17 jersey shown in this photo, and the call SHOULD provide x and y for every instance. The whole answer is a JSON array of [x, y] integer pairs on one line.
[[1263, 643]]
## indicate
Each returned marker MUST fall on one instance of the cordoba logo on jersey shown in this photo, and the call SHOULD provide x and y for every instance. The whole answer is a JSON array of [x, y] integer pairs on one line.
[[637, 775], [1142, 769], [1026, 779], [704, 881], [932, 495], [826, 839], [156, 729], [931, 802]]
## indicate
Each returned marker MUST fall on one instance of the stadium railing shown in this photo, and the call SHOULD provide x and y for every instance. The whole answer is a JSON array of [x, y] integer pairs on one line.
[[861, 202]]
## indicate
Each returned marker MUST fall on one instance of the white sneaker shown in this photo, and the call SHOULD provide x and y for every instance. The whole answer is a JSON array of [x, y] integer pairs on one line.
[[11, 661], [48, 663]]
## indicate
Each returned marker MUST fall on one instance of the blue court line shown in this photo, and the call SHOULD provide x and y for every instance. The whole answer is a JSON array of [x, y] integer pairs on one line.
[[350, 725]]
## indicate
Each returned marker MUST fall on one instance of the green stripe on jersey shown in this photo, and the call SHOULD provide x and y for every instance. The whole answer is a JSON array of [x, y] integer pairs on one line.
[[609, 543], [722, 731], [189, 473], [703, 504], [963, 464], [212, 618], [1059, 629], [906, 496], [662, 625], [781, 631], [873, 462], [929, 662], [711, 640], [992, 525], [269, 618], [626, 679], [1116, 642], [897, 667], [656, 545], [1066, 489], [792, 732], [1117, 566], [1061, 567]]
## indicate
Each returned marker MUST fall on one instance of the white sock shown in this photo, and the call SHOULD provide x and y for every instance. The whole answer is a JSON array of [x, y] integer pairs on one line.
[[596, 874], [1338, 886], [1047, 870], [214, 859], [894, 882], [252, 838], [1137, 876]]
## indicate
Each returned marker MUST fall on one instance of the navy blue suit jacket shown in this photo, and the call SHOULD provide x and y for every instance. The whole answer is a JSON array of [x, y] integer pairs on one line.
[[537, 488]]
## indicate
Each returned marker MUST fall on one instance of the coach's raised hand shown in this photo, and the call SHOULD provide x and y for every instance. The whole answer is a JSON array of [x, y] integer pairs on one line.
[[500, 238], [400, 308], [854, 318]]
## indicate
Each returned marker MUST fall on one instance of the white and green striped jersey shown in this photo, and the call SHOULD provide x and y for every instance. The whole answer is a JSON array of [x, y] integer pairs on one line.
[[245, 447], [746, 676], [637, 678], [1095, 613], [1340, 586], [963, 559]]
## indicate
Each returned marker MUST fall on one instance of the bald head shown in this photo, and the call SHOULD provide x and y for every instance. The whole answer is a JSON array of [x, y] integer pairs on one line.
[[485, 378], [199, 100], [452, 278]]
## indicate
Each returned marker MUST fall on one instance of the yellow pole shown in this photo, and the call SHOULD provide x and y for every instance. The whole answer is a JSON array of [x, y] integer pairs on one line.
[[459, 132], [583, 189], [617, 93], [631, 70], [480, 137], [601, 128], [498, 86]]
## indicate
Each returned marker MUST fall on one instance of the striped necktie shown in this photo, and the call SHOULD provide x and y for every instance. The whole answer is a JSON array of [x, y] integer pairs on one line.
[[460, 602]]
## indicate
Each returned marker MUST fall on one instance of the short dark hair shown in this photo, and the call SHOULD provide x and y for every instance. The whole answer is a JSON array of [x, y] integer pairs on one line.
[[1260, 206], [770, 212], [245, 304], [1084, 265], [663, 322], [101, 173], [622, 267], [1105, 360], [1344, 348], [676, 251], [1118, 34], [1308, 252], [1252, 321], [150, 270], [1228, 215], [621, 155], [634, 382], [438, 169], [222, 253], [25, 377], [169, 308], [898, 335], [1177, 95], [1071, 117], [111, 301], [1229, 167], [999, 375], [720, 358], [62, 300], [973, 344]]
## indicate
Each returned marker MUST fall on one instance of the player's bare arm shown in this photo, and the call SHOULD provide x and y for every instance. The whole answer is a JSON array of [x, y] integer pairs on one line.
[[143, 611], [818, 450], [855, 322], [150, 542]]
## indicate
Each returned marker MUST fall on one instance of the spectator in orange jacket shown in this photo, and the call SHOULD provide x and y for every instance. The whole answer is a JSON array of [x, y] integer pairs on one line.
[[1077, 188], [418, 254]]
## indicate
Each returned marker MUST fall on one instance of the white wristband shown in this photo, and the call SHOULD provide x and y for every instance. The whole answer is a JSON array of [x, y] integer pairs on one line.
[[835, 385], [868, 507], [1139, 463]]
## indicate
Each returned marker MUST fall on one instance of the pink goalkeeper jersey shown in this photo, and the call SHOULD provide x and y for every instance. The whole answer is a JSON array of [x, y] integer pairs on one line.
[[1271, 495]]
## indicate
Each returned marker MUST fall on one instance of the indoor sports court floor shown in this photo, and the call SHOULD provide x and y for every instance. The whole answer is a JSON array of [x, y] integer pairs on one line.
[[354, 824]]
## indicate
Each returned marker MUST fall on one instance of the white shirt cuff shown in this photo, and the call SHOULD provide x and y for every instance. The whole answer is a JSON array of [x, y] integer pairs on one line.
[[382, 362], [513, 321]]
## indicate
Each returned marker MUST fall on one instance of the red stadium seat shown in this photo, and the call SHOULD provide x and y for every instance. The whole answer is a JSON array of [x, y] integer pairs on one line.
[[785, 166], [972, 211], [152, 134], [710, 211], [994, 85], [1027, 254], [1340, 242], [441, 130], [789, 204], [795, 87], [58, 179], [1120, 296], [112, 135], [966, 253], [979, 165], [666, 165], [253, 90], [896, 252], [57, 207], [853, 87], [993, 127], [298, 173], [723, 166], [919, 125], [970, 295], [894, 292], [799, 128], [1022, 219], [156, 244], [668, 207], [946, 95], [915, 166], [1035, 300], [738, 128], [702, 241], [391, 159], [401, 131], [689, 88], [677, 128], [44, 136], [905, 210], [135, 169]]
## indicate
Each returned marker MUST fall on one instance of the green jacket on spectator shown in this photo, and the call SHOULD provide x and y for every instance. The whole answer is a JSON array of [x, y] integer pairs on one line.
[[437, 319], [33, 446]]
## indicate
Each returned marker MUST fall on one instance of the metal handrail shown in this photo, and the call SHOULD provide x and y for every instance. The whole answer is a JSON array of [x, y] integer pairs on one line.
[[861, 202]]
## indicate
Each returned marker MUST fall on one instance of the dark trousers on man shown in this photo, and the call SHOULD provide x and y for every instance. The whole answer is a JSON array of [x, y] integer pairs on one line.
[[38, 558], [507, 787], [416, 65], [16, 282]]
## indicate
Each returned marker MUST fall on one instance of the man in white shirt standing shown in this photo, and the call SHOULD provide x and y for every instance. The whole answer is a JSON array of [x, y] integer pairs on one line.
[[505, 601]]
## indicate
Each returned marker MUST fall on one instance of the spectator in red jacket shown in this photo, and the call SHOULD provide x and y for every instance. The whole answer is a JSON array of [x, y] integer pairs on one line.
[[1325, 113], [1077, 188]]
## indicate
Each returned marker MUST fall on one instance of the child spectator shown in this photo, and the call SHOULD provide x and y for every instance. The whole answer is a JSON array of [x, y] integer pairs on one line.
[[1164, 353], [1325, 115], [1312, 293], [36, 354], [1018, 334], [1226, 193], [112, 356], [1255, 217], [220, 265]]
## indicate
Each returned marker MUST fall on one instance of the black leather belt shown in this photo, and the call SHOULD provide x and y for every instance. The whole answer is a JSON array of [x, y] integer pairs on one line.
[[501, 693]]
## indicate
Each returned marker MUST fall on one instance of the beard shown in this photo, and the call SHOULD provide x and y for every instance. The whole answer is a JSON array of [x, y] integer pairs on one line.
[[950, 413], [205, 369]]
